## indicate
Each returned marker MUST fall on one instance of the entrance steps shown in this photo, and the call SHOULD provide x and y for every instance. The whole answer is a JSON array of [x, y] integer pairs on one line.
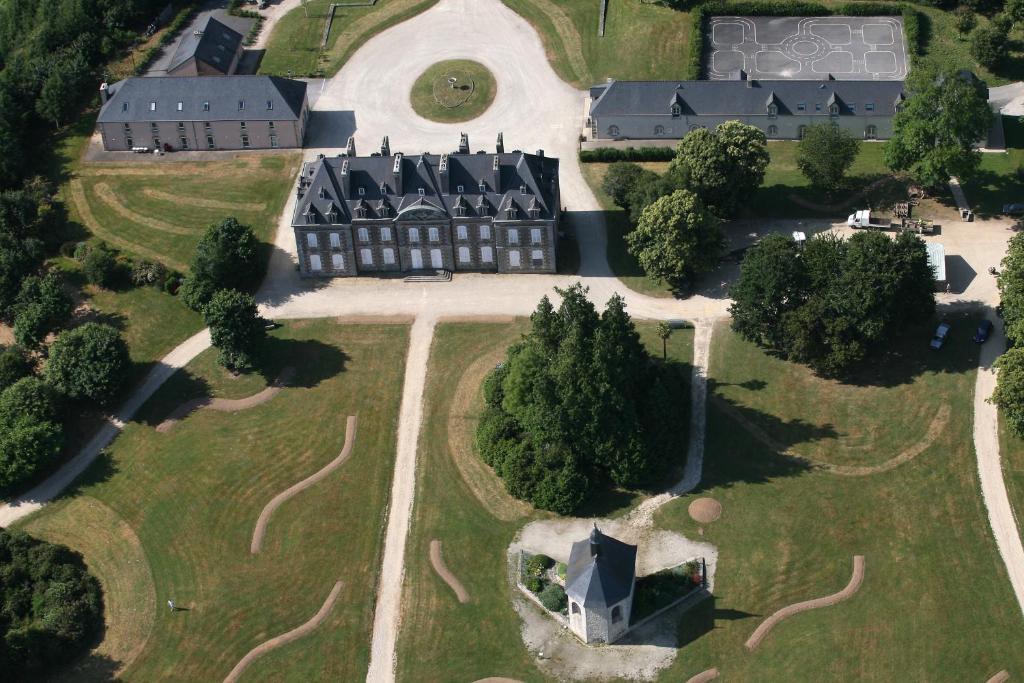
[[442, 275]]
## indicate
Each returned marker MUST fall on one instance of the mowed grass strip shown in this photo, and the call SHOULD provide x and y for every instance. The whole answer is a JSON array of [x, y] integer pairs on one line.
[[441, 638], [787, 534], [114, 555], [145, 208], [193, 496], [295, 44], [642, 41]]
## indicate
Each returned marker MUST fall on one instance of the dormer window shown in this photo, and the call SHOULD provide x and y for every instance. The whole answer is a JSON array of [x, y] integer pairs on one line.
[[270, 105], [241, 105], [124, 106], [332, 215], [310, 216], [323, 192], [422, 192], [483, 185], [833, 109], [152, 105], [206, 106], [676, 111], [181, 105], [773, 110], [361, 212], [460, 210], [460, 189], [361, 190]]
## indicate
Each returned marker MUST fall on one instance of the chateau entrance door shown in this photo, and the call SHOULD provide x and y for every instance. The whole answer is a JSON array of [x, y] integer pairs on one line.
[[417, 259], [435, 259]]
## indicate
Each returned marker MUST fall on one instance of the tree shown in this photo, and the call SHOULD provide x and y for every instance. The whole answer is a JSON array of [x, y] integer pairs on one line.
[[89, 363], [100, 265], [1009, 391], [772, 282], [577, 406], [664, 332], [18, 259], [225, 258], [620, 180], [989, 45], [53, 606], [964, 20], [676, 238], [30, 399], [1011, 290], [30, 434], [1014, 9], [723, 167], [935, 131], [41, 306], [825, 154], [13, 366], [236, 328]]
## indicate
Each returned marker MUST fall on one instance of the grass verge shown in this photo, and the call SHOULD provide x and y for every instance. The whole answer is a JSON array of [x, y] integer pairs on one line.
[[460, 502], [192, 495]]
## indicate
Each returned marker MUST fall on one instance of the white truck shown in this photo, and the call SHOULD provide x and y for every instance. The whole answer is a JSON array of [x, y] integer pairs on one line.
[[864, 219]]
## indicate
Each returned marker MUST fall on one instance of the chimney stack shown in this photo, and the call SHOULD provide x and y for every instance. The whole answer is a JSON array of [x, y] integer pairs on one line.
[[385, 147], [496, 168], [396, 171], [104, 93], [463, 144], [344, 178], [540, 153], [500, 147], [350, 147], [442, 171]]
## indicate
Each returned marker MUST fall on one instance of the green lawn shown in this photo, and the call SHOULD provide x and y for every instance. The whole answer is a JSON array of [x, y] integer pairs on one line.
[[159, 209], [642, 41], [1011, 451], [434, 98], [192, 496], [462, 503], [294, 46], [788, 533]]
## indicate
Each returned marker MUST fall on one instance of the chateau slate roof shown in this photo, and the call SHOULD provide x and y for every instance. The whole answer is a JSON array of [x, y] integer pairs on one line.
[[156, 99], [526, 181], [601, 570], [743, 97], [215, 44]]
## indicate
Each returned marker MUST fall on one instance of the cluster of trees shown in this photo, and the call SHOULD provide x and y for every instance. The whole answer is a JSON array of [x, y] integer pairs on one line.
[[52, 605], [224, 269], [1009, 391], [677, 236], [834, 301], [51, 55], [989, 41], [579, 405]]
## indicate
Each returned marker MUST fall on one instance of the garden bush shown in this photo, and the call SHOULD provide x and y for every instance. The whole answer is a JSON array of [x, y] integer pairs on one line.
[[14, 365], [53, 606], [553, 597], [100, 266], [148, 273], [534, 584], [537, 564], [609, 154], [89, 363]]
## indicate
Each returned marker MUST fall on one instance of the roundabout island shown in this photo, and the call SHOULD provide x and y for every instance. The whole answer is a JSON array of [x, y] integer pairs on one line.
[[453, 91]]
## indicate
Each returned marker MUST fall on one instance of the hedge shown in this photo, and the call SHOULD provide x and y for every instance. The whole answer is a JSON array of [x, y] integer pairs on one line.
[[912, 20], [609, 154]]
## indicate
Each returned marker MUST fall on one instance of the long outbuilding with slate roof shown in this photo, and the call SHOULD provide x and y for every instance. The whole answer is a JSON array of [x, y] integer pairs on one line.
[[392, 212], [201, 113], [645, 110], [213, 50]]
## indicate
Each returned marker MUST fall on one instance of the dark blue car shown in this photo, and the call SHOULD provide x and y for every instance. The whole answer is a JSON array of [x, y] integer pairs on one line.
[[984, 329]]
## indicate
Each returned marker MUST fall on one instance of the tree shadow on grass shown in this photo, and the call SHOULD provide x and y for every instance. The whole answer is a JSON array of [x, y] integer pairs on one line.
[[92, 668], [181, 387], [702, 618], [314, 361]]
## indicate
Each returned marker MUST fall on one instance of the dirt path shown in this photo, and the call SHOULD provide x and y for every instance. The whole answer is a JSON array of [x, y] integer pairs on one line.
[[199, 201], [285, 638], [264, 519], [442, 570], [704, 676], [403, 489], [846, 593], [999, 677], [938, 424], [116, 204], [227, 405]]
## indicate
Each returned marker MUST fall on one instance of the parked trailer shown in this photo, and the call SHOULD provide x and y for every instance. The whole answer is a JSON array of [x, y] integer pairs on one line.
[[864, 219]]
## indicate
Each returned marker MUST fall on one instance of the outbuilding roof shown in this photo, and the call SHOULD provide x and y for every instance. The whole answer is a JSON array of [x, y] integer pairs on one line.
[[199, 98], [214, 44], [601, 570], [743, 97]]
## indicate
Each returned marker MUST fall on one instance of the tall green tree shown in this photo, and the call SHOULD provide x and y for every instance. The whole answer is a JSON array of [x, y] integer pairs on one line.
[[989, 45], [89, 363], [964, 20], [935, 131], [725, 166], [226, 257], [42, 305], [236, 328], [825, 154], [1011, 290], [1009, 392], [772, 282], [676, 239]]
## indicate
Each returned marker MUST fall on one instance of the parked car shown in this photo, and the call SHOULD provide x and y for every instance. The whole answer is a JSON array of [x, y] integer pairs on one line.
[[984, 329], [941, 332], [1015, 209]]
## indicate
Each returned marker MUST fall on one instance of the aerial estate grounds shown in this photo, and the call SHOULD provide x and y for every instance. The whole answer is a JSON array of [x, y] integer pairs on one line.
[[182, 503], [462, 503]]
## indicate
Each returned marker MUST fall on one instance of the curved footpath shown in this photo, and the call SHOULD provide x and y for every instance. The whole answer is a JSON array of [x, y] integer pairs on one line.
[[990, 470]]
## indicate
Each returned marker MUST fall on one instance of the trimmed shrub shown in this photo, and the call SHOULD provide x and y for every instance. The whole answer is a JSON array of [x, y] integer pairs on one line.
[[89, 363], [561, 570], [609, 154], [553, 597], [534, 584], [148, 273], [100, 265], [536, 565], [13, 366]]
